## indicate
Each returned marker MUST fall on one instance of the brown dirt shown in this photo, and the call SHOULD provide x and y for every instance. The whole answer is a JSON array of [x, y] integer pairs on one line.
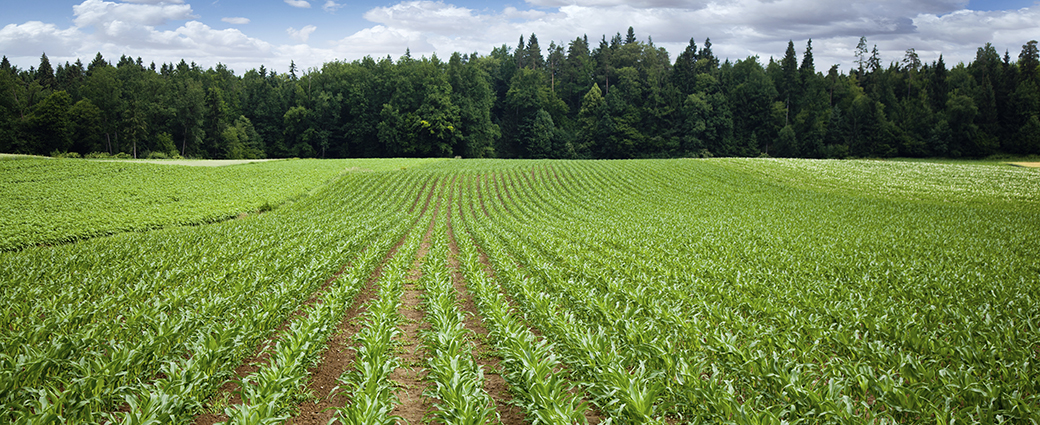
[[480, 195], [494, 384], [339, 357], [592, 415], [260, 356], [1026, 164], [418, 196], [409, 377]]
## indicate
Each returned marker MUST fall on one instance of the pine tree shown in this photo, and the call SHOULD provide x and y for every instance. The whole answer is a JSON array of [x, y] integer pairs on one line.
[[861, 50], [684, 71], [534, 53], [45, 74], [787, 87], [631, 37], [874, 63]]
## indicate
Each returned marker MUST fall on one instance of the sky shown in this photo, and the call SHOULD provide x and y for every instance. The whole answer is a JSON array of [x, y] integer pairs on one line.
[[245, 34]]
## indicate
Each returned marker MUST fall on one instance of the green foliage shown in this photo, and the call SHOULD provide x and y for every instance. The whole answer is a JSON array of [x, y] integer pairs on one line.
[[48, 202], [485, 106], [702, 290]]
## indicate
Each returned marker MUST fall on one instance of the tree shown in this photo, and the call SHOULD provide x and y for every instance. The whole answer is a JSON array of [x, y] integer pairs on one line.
[[860, 53], [533, 54], [554, 64], [788, 86], [593, 119], [299, 133], [578, 74], [241, 140], [1029, 62], [751, 94], [631, 37], [787, 143], [49, 124], [189, 109], [45, 73], [684, 72], [471, 92], [103, 90], [537, 136]]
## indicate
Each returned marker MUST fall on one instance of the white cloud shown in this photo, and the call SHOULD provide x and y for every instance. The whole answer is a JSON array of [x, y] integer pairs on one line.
[[738, 29], [302, 4], [431, 16], [331, 6], [301, 34], [103, 14], [33, 38], [380, 40], [236, 21], [642, 4]]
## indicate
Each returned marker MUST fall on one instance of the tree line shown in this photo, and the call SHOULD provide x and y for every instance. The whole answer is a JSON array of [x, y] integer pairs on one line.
[[622, 98]]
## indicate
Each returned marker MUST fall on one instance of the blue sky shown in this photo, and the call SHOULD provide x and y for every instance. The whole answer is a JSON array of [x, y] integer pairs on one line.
[[246, 34]]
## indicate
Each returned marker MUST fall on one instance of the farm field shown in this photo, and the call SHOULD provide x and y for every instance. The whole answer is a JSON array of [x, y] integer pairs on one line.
[[48, 201], [743, 291]]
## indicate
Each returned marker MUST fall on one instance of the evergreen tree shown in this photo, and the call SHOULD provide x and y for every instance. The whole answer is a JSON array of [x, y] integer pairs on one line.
[[578, 74], [860, 53], [49, 125], [684, 72], [789, 82], [45, 73], [533, 55], [594, 121], [631, 37]]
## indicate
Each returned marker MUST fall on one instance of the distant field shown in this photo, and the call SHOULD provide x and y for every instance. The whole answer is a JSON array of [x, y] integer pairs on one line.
[[191, 162], [685, 291], [1026, 164], [46, 201]]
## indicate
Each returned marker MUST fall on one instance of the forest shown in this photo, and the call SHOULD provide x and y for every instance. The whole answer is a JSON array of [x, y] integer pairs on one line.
[[622, 98]]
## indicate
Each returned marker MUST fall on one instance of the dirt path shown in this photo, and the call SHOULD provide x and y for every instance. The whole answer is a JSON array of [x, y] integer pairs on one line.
[[409, 377], [494, 384], [263, 353]]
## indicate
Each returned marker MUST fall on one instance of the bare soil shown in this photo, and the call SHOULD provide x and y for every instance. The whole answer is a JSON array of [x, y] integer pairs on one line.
[[339, 357], [494, 384], [228, 391], [409, 377]]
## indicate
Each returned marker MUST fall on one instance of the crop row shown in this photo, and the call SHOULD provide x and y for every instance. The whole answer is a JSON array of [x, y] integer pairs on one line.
[[773, 340], [640, 291], [187, 304]]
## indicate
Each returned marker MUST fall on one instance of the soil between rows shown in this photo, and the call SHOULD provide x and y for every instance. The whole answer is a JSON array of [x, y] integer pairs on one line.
[[263, 353], [409, 376], [339, 357], [494, 384]]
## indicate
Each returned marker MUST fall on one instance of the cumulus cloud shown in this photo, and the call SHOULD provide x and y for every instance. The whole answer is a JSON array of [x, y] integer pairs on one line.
[[380, 40], [331, 6], [738, 29], [643, 4], [301, 35], [427, 16], [236, 21], [103, 14], [197, 37], [34, 37], [303, 4]]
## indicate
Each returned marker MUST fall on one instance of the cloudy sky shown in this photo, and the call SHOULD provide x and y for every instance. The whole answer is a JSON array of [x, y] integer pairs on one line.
[[245, 34]]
